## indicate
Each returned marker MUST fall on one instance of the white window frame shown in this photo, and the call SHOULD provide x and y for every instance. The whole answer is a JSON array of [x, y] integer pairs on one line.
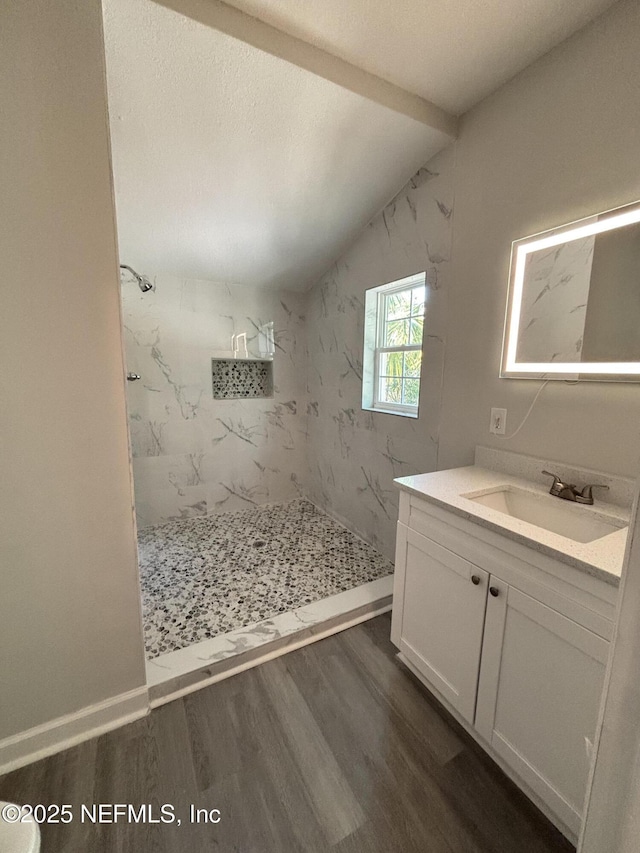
[[371, 395]]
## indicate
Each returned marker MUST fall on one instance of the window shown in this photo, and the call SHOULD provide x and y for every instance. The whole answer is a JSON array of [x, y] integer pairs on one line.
[[394, 321]]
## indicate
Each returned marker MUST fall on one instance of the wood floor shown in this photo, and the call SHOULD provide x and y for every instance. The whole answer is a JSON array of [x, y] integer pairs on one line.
[[332, 747]]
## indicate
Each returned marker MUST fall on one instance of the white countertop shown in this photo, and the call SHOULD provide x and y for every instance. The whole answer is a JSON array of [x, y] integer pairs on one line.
[[601, 558]]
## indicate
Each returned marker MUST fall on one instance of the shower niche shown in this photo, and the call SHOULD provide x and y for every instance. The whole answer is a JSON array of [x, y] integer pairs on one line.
[[240, 378]]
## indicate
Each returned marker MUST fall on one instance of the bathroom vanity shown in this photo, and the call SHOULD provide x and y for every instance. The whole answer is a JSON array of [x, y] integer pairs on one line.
[[507, 622]]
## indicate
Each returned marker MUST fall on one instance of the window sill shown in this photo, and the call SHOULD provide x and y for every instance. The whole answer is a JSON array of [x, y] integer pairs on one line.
[[379, 410]]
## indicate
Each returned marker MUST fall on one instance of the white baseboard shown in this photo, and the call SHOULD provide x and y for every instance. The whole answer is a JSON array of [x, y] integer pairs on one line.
[[59, 734]]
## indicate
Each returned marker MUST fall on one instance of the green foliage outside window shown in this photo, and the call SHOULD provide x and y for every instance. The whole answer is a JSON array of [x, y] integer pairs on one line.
[[402, 326]]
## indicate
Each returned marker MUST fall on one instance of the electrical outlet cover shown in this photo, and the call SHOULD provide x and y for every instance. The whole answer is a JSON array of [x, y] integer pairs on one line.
[[498, 424]]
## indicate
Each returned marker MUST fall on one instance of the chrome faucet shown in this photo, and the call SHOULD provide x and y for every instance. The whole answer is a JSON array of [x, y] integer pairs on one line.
[[570, 492]]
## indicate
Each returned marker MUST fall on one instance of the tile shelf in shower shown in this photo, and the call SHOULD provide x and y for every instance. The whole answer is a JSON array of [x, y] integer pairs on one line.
[[239, 355], [241, 378]]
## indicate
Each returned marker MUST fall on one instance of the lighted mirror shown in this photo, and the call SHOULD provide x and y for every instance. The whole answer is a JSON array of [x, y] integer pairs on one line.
[[574, 301]]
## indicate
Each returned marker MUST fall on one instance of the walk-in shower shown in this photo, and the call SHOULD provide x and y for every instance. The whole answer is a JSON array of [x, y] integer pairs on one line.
[[235, 562], [143, 282]]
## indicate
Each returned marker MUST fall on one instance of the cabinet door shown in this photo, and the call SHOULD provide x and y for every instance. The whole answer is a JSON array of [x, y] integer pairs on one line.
[[441, 617], [539, 694]]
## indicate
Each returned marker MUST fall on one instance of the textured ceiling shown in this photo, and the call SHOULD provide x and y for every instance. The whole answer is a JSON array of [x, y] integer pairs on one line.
[[233, 165], [451, 52]]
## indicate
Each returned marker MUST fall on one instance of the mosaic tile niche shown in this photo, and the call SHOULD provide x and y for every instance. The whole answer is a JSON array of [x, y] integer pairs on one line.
[[238, 378]]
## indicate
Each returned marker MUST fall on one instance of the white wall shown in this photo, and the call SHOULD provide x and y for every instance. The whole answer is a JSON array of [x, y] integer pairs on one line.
[[558, 142], [70, 629]]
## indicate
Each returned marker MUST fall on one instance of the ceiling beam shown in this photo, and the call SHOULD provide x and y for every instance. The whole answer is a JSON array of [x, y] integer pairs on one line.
[[227, 19]]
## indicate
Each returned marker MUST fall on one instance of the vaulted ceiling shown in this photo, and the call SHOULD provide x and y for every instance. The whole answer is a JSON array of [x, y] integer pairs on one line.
[[239, 164], [452, 52]]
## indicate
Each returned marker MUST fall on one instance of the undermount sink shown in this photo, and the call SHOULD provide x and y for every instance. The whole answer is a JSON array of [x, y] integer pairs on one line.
[[551, 513]]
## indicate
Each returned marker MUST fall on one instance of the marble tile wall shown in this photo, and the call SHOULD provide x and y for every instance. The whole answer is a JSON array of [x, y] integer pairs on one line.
[[353, 455], [554, 302], [192, 454]]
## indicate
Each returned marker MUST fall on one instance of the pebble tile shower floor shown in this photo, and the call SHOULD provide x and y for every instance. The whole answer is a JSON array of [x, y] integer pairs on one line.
[[208, 575]]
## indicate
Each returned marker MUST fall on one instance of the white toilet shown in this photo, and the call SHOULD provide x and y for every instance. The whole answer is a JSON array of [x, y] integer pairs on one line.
[[18, 837]]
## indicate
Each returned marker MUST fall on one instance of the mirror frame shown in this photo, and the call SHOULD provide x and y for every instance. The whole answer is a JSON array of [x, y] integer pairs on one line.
[[604, 371]]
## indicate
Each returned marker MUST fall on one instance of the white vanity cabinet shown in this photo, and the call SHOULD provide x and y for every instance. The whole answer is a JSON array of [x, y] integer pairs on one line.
[[513, 644]]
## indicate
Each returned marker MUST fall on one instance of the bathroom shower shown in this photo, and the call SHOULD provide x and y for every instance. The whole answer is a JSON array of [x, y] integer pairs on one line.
[[143, 282]]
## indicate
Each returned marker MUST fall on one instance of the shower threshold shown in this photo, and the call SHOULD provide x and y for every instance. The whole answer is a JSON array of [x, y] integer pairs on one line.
[[186, 670]]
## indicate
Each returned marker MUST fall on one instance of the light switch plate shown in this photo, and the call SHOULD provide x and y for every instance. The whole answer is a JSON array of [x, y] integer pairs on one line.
[[498, 424]]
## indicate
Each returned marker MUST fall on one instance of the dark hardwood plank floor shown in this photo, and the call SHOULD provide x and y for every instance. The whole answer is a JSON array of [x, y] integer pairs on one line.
[[333, 747]]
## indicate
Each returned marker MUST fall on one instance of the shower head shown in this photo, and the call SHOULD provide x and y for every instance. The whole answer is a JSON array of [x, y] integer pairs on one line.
[[143, 282]]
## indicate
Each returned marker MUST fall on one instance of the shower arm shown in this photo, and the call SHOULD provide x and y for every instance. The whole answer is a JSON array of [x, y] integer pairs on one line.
[[143, 282]]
